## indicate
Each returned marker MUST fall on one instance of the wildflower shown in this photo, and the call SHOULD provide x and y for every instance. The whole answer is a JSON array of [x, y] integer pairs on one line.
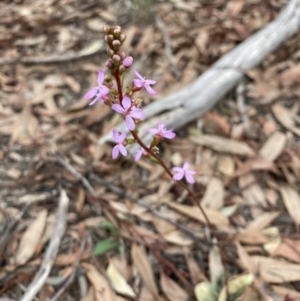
[[129, 112], [119, 139], [162, 132], [184, 172], [142, 82], [97, 92], [140, 153]]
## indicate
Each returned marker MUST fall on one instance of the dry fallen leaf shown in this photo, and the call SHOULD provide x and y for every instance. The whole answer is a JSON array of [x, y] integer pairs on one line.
[[274, 146], [225, 145], [225, 165], [262, 221], [291, 200], [214, 194], [171, 289], [276, 271], [139, 257], [216, 269], [118, 282], [286, 118], [102, 289], [31, 238], [289, 249], [215, 217]]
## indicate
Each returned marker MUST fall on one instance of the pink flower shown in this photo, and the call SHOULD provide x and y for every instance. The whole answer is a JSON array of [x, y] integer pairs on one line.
[[128, 61], [162, 132], [119, 139], [142, 82], [184, 172], [140, 153], [97, 92], [129, 112]]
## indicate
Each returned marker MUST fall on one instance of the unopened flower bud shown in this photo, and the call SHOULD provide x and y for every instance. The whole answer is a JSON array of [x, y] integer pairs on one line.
[[116, 44], [106, 29], [108, 78], [116, 59], [109, 64], [110, 52], [128, 61], [122, 69], [110, 38], [117, 32], [122, 55], [122, 38]]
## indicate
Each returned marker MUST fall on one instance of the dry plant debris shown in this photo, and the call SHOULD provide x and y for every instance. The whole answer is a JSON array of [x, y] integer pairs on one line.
[[130, 234]]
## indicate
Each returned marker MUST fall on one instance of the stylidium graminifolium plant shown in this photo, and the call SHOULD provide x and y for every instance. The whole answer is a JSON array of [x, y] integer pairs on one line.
[[110, 91]]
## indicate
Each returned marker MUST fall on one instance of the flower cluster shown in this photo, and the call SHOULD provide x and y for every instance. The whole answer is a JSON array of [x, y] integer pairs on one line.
[[127, 104]]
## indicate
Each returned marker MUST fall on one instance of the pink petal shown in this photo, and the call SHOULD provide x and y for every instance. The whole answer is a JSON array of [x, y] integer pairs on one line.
[[104, 90], [178, 169], [115, 135], [150, 90], [130, 123], [138, 83], [122, 150], [122, 137], [190, 179], [138, 75], [150, 81], [137, 113], [178, 176], [152, 131], [186, 165], [100, 77], [90, 94], [118, 108], [94, 100], [138, 155], [115, 152], [126, 102], [169, 135], [161, 126], [191, 172]]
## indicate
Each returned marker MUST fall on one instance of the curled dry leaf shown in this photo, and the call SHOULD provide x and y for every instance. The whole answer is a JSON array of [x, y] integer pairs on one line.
[[31, 238], [276, 271], [262, 221], [226, 145], [286, 118], [171, 289], [118, 282], [139, 257], [291, 201], [274, 146], [214, 194]]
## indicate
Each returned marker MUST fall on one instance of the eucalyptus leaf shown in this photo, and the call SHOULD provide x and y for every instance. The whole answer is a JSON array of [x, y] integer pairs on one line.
[[105, 245]]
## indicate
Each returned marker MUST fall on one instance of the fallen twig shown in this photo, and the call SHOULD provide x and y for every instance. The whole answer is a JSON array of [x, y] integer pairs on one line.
[[76, 174], [51, 251]]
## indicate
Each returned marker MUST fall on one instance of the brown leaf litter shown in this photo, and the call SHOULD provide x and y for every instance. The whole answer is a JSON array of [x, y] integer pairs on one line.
[[246, 154]]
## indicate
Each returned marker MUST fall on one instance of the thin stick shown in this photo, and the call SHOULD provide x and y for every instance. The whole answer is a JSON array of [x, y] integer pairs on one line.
[[52, 250]]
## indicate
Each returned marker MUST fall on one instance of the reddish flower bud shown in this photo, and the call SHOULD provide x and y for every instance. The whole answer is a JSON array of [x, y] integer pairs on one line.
[[122, 69], [122, 55], [116, 59], [116, 44], [117, 32], [110, 52], [109, 64], [122, 38], [106, 29], [110, 38], [128, 61]]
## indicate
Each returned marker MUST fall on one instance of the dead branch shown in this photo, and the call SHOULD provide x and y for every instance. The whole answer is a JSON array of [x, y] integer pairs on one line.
[[52, 249], [200, 96]]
